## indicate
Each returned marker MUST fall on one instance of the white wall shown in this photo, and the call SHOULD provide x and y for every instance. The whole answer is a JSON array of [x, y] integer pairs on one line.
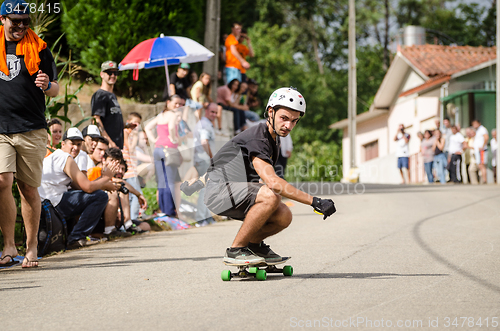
[[366, 132]]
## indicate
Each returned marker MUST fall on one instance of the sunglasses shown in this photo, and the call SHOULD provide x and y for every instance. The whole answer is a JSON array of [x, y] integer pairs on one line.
[[18, 21], [111, 73]]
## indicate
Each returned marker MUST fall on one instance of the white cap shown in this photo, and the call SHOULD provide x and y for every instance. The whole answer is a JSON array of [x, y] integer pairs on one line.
[[92, 131], [73, 134]]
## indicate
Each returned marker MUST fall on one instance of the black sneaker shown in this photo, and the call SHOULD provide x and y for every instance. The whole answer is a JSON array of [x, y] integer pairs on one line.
[[84, 242], [264, 251], [134, 229], [117, 234], [242, 256]]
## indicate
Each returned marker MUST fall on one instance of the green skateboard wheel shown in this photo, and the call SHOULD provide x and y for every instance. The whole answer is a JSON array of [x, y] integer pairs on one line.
[[288, 270], [253, 270], [261, 275], [226, 275]]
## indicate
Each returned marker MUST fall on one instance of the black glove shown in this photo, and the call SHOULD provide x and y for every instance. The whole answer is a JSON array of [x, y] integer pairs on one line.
[[190, 189], [324, 206]]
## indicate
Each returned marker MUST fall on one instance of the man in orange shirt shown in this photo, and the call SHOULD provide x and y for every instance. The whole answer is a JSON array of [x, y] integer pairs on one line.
[[244, 52], [234, 61]]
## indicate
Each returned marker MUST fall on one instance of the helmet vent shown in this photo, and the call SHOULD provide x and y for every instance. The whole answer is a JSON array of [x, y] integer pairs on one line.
[[301, 103], [291, 99]]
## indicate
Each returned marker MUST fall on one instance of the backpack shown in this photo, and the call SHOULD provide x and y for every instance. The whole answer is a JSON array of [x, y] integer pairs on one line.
[[52, 231]]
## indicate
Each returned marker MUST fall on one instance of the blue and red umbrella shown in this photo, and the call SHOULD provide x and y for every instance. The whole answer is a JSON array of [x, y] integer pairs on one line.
[[164, 51]]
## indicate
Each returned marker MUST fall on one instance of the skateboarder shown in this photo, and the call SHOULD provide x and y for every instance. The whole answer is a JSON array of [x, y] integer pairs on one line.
[[241, 182]]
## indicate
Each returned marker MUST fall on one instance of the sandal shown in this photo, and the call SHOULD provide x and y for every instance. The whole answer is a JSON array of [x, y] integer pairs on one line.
[[25, 266], [8, 264]]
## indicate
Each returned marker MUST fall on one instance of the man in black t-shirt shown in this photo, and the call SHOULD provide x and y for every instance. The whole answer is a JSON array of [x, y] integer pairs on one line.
[[179, 83], [27, 74], [233, 186], [105, 107]]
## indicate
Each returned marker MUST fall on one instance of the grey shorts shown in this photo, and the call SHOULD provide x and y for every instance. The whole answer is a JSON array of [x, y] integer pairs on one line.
[[233, 199]]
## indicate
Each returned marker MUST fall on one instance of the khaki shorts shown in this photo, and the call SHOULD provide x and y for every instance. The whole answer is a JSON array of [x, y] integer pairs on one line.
[[22, 154]]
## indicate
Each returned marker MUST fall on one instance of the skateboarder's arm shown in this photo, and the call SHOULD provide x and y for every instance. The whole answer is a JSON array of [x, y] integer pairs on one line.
[[274, 182]]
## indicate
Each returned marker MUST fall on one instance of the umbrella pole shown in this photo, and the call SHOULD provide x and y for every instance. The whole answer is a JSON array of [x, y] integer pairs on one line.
[[168, 78]]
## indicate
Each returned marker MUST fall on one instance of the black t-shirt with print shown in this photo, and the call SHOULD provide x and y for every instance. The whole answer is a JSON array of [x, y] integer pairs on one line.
[[181, 85], [22, 103], [233, 161], [105, 105]]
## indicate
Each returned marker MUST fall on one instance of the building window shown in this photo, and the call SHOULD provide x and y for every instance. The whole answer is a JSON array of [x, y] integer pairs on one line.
[[371, 150]]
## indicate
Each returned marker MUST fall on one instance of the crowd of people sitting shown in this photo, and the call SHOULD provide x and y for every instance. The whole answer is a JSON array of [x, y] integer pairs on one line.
[[445, 149], [95, 179]]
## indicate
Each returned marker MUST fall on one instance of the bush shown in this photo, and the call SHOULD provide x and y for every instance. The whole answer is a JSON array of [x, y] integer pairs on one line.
[[314, 162]]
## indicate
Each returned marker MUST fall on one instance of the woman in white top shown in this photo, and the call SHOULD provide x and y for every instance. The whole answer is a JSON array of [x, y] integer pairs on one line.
[[200, 92]]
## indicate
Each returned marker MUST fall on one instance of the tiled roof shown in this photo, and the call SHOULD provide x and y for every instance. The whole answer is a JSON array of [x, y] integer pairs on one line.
[[437, 60], [437, 80]]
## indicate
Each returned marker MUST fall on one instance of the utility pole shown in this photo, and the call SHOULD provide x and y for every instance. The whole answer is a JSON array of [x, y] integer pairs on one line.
[[352, 88], [212, 32], [498, 90]]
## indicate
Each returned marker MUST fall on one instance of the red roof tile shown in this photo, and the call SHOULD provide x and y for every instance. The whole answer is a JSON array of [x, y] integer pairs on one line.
[[437, 60]]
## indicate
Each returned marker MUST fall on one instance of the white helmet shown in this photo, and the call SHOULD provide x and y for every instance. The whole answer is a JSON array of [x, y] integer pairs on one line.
[[288, 97]]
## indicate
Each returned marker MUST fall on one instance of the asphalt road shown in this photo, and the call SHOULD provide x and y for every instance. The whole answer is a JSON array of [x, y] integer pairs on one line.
[[393, 257]]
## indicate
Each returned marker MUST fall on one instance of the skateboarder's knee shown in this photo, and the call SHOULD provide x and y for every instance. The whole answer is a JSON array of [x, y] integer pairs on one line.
[[267, 196]]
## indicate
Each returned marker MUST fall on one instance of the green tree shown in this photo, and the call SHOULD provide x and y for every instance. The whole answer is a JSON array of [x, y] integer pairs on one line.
[[107, 30]]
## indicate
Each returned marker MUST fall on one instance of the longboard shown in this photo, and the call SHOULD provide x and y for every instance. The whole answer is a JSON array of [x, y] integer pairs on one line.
[[258, 271]]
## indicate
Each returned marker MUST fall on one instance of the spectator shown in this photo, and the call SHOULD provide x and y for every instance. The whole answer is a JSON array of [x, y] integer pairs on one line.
[[201, 93], [446, 131], [91, 136], [494, 148], [97, 156], [222, 58], [112, 157], [105, 107], [27, 75], [55, 135], [481, 148], [253, 100], [455, 155], [473, 171], [244, 52], [225, 95], [234, 61], [426, 148], [167, 158], [402, 152], [440, 160], [240, 97], [179, 83], [87, 199], [131, 134], [420, 135], [285, 154], [204, 140], [145, 165], [468, 146], [123, 216]]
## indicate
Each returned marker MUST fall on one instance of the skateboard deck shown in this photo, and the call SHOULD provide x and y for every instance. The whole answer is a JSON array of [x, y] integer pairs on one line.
[[259, 270]]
